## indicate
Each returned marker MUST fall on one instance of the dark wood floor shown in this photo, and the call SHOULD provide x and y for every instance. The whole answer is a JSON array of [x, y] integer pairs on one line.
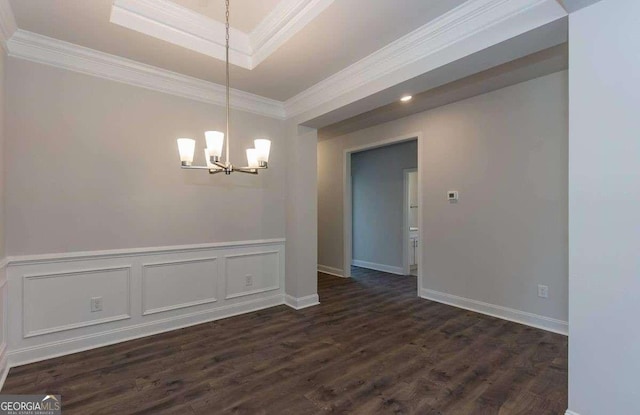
[[371, 347]]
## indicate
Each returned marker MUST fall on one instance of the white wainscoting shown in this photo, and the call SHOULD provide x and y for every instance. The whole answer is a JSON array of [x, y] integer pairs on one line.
[[4, 366], [61, 301], [261, 268], [179, 284], [144, 291]]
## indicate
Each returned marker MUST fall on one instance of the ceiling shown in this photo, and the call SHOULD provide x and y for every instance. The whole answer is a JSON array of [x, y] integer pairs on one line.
[[246, 13], [334, 39], [535, 65]]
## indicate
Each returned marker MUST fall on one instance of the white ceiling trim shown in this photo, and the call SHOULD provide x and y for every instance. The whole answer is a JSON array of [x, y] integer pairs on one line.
[[181, 26], [451, 28], [7, 23], [284, 21], [60, 54]]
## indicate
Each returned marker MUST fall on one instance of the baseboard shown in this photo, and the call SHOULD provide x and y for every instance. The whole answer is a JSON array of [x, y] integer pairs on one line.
[[568, 412], [378, 267], [505, 313], [64, 347], [302, 302], [336, 272]]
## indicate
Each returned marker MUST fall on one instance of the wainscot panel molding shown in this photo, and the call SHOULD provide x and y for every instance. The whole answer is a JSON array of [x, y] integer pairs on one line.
[[172, 285], [298, 303], [378, 267], [60, 54], [336, 272], [54, 302], [143, 291], [252, 273], [518, 316]]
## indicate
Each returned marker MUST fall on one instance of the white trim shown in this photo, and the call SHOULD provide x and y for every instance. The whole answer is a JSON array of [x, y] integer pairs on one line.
[[378, 267], [3, 263], [302, 302], [7, 23], [406, 229], [60, 54], [258, 290], [25, 301], [443, 32], [54, 349], [336, 272], [143, 295], [568, 412], [184, 27], [284, 21], [505, 313], [119, 253], [347, 211]]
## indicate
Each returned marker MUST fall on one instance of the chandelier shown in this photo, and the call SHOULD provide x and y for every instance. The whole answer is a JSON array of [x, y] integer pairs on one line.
[[257, 158]]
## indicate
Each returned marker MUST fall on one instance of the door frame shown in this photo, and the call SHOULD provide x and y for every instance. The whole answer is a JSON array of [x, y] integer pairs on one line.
[[347, 202], [406, 264]]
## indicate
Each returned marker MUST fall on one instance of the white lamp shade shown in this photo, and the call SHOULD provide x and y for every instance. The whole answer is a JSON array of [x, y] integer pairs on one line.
[[186, 147], [215, 141], [263, 146], [252, 157]]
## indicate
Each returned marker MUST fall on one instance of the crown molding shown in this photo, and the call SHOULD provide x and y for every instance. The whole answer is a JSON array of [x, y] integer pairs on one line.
[[184, 27], [60, 54], [452, 28], [284, 21], [7, 23]]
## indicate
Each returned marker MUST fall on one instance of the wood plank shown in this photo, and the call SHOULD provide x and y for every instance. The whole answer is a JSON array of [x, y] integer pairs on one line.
[[372, 346]]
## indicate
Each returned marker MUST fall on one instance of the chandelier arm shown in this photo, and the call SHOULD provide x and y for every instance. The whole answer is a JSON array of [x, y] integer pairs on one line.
[[248, 170], [221, 165], [195, 167]]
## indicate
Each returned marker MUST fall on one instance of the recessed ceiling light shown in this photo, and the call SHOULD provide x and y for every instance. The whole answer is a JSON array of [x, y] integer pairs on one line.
[[406, 98]]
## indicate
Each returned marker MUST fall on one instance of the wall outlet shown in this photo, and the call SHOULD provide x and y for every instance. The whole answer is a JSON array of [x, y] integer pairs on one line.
[[543, 291], [248, 280], [96, 304]]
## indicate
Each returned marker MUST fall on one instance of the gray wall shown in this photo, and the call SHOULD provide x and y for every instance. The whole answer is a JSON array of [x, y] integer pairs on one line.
[[93, 164], [378, 201], [604, 209], [506, 153], [2, 144]]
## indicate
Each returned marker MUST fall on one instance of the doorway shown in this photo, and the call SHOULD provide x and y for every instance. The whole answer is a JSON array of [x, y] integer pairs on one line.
[[402, 239]]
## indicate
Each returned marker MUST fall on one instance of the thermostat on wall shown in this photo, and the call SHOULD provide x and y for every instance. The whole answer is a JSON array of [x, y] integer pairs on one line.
[[452, 195]]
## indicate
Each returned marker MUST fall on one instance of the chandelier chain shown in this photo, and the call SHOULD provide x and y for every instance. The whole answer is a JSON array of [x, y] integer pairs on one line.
[[227, 72]]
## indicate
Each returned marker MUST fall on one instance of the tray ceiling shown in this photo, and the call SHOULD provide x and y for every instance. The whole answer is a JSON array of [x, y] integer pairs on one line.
[[340, 34]]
